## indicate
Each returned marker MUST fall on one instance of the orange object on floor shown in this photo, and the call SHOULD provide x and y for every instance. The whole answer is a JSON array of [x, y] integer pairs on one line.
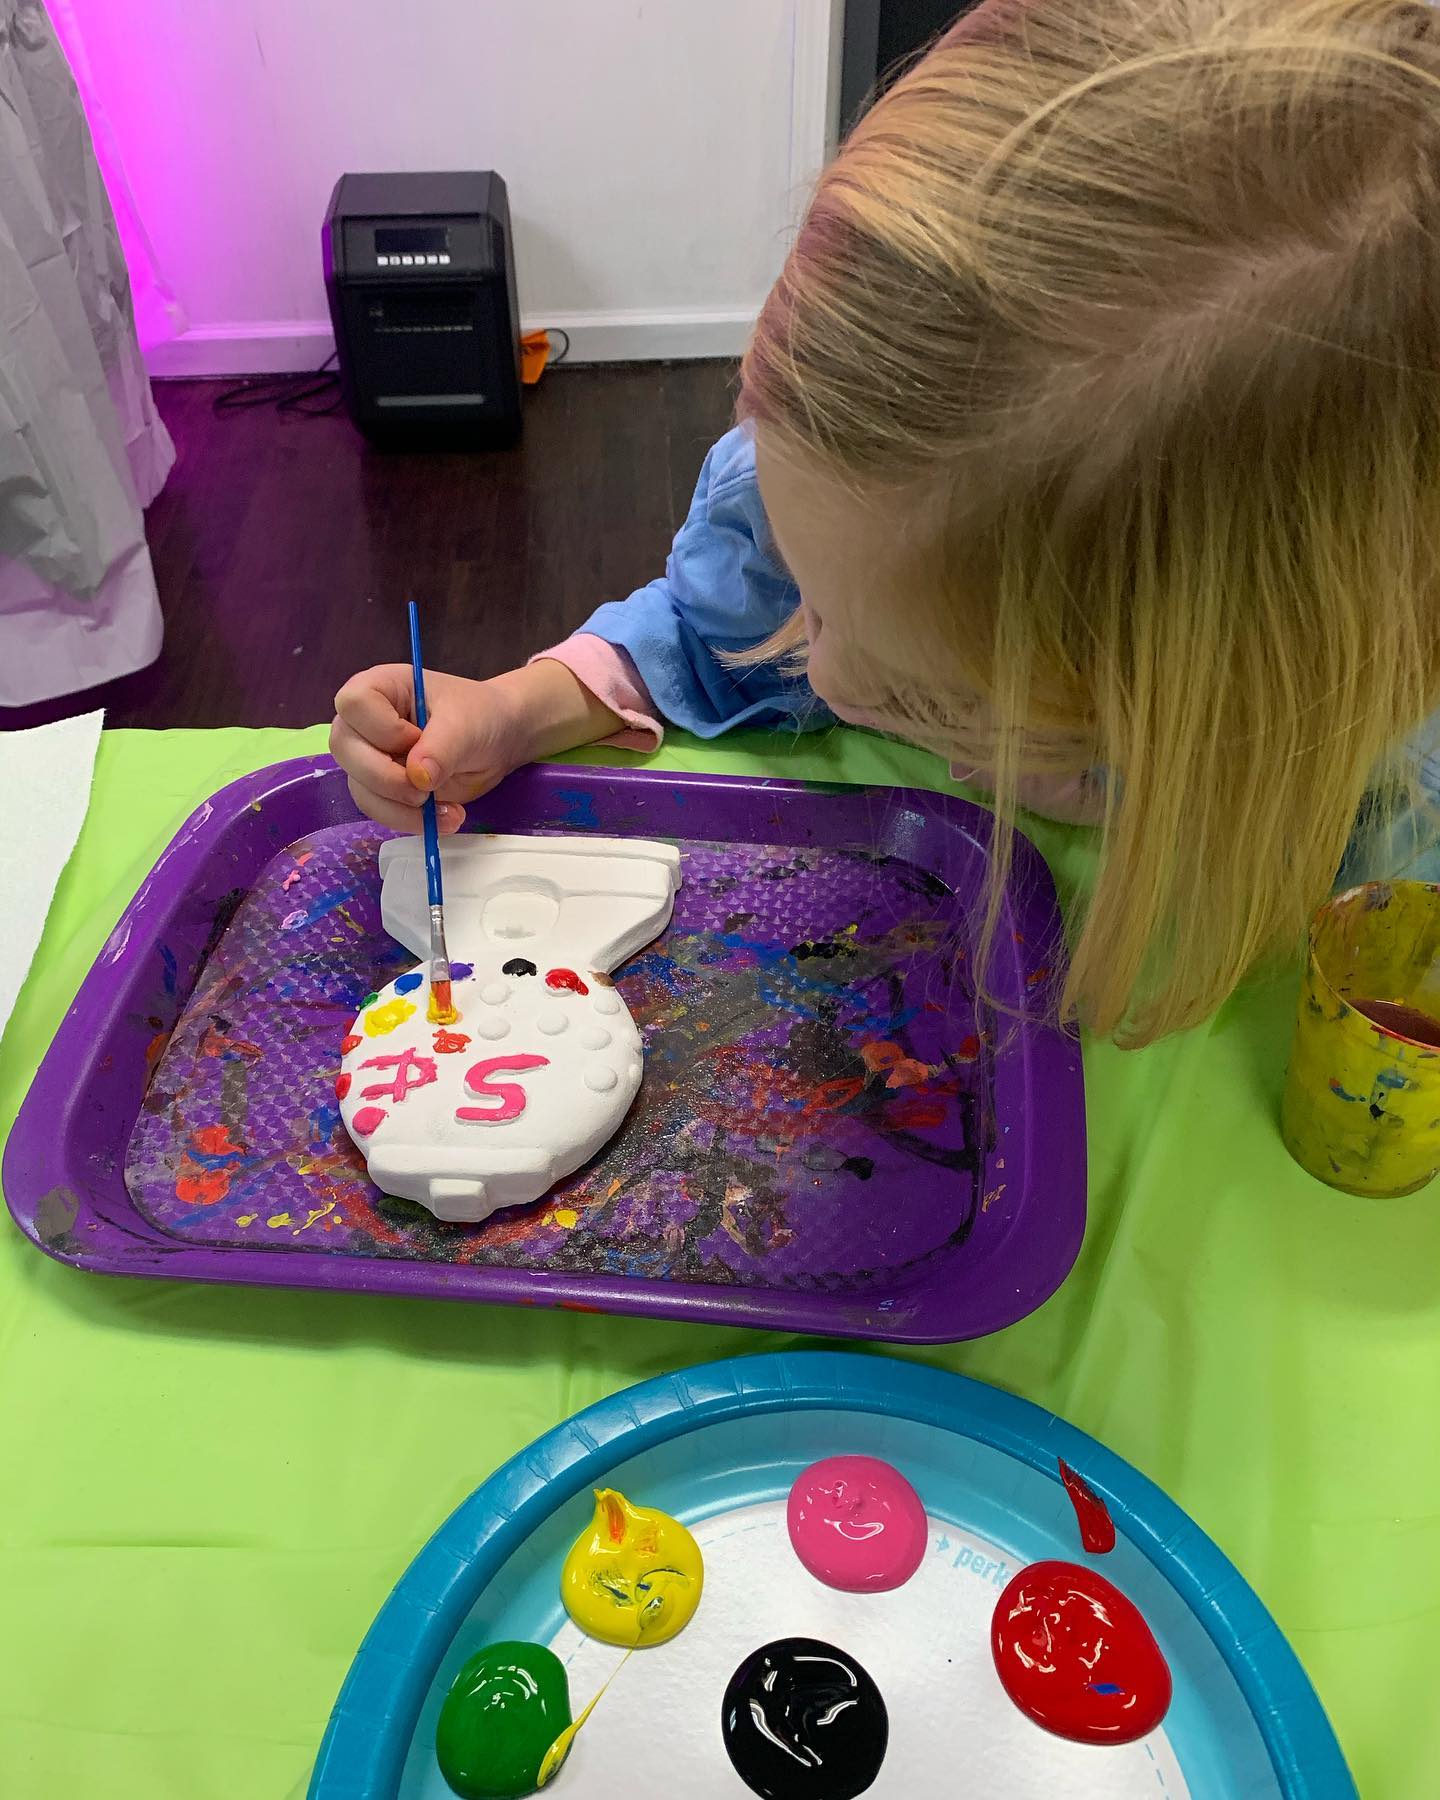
[[534, 355]]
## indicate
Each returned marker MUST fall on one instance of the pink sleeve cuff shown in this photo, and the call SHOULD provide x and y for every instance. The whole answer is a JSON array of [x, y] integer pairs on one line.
[[615, 682]]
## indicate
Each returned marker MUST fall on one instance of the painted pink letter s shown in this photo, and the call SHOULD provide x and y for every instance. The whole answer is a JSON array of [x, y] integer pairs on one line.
[[508, 1093]]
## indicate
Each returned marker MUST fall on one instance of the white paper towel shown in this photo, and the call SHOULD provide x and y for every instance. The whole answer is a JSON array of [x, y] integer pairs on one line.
[[45, 778]]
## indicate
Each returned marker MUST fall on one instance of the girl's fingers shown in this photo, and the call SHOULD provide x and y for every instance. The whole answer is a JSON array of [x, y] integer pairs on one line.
[[377, 703], [370, 768], [403, 818]]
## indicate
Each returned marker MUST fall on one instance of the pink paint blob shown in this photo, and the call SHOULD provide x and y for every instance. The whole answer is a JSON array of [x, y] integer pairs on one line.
[[366, 1120], [510, 1095], [857, 1524]]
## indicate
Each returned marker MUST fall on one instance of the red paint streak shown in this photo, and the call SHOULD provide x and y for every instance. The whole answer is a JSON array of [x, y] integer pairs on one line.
[[201, 1187], [449, 1043], [411, 1071], [510, 1095], [830, 1096], [366, 1120], [576, 1306], [214, 1140], [216, 1043], [342, 1086], [1397, 1020], [347, 1044], [1097, 1528], [915, 1112], [1036, 976], [1076, 1657], [969, 1049], [565, 981]]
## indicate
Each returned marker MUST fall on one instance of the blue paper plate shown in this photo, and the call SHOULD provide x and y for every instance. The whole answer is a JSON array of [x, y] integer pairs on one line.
[[734, 1434]]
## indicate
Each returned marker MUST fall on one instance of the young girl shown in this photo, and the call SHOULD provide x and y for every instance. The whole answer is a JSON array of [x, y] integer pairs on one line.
[[1091, 436]]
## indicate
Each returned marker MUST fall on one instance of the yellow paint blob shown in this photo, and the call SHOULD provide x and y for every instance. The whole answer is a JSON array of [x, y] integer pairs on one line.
[[567, 1217], [245, 1218], [381, 1019], [634, 1576], [278, 1219]]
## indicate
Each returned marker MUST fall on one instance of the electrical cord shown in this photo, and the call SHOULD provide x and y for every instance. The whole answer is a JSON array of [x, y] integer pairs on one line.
[[286, 393], [292, 394]]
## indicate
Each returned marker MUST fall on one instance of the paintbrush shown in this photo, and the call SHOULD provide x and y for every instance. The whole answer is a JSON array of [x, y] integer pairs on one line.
[[442, 1004]]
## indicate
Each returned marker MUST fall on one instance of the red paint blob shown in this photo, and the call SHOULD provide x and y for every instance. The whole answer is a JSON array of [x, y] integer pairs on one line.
[[366, 1120], [1097, 1528], [342, 1086], [347, 1044], [1076, 1657], [201, 1187], [214, 1140], [565, 981], [449, 1043]]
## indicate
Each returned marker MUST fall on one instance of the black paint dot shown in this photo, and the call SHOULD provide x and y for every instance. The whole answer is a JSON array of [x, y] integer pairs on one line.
[[517, 965], [803, 1721]]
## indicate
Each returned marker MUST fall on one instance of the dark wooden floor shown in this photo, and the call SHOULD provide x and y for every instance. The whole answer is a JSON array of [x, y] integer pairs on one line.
[[285, 548]]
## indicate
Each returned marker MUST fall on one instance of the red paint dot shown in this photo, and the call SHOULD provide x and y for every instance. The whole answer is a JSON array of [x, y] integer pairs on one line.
[[342, 1086], [366, 1120], [969, 1049], [347, 1044], [449, 1043], [565, 981]]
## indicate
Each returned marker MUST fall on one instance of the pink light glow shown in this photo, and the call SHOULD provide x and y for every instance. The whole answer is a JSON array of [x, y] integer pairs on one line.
[[158, 314]]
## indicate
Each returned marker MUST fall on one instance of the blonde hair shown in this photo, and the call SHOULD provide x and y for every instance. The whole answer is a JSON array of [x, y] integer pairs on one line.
[[1128, 315]]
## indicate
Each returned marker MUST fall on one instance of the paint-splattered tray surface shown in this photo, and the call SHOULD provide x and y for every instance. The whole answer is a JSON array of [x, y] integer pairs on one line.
[[833, 1134], [719, 1446]]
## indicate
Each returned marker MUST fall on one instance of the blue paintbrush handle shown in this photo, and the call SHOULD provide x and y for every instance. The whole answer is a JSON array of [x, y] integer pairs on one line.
[[422, 718]]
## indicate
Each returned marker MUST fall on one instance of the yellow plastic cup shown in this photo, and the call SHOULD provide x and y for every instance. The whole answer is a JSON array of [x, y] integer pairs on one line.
[[1362, 1096]]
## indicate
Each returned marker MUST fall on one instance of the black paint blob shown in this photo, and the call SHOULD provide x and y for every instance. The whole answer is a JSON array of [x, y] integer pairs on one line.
[[803, 1721], [517, 965]]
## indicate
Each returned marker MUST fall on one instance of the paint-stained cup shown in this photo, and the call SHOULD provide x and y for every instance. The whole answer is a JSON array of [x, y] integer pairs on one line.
[[1362, 1097]]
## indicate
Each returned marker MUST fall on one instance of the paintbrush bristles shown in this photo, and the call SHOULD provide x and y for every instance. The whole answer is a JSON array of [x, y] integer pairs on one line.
[[441, 1010]]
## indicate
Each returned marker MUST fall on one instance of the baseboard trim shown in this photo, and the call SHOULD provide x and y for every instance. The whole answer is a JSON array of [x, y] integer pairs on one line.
[[283, 347]]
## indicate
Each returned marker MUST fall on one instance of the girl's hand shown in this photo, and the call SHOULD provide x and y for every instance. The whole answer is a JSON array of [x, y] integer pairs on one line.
[[478, 732]]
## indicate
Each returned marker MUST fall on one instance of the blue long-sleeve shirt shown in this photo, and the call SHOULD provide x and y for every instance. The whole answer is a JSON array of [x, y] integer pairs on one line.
[[724, 588]]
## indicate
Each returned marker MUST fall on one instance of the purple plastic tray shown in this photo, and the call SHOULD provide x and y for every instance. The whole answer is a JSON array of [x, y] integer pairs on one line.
[[833, 1134]]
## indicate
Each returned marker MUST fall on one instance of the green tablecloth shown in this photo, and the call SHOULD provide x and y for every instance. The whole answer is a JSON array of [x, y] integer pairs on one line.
[[206, 1493]]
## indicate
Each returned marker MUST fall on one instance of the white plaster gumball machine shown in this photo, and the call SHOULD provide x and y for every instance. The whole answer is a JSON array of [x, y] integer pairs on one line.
[[543, 1061]]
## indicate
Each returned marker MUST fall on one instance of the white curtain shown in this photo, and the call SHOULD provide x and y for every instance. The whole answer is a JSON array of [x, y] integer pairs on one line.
[[82, 449]]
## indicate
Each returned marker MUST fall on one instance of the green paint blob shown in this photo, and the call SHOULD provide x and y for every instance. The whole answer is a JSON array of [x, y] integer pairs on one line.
[[369, 1000], [504, 1710]]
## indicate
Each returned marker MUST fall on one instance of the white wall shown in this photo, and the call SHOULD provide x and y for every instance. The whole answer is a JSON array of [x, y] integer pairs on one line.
[[655, 151]]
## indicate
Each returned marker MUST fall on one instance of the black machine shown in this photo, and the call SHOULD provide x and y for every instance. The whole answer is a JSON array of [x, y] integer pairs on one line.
[[420, 275]]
